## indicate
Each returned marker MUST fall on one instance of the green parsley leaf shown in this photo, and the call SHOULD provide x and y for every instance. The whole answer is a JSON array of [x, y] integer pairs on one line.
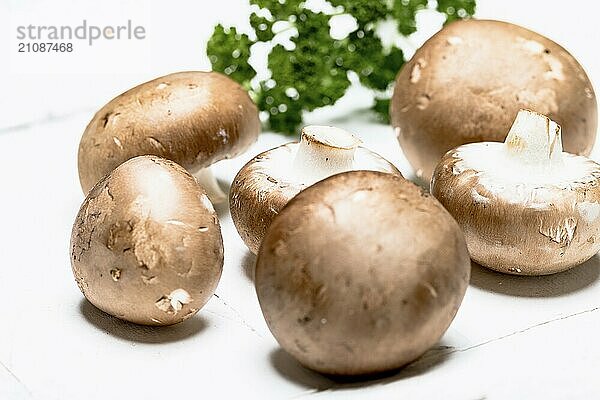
[[364, 11], [381, 108], [456, 9], [280, 10], [285, 112], [405, 12], [375, 67], [263, 27], [229, 52]]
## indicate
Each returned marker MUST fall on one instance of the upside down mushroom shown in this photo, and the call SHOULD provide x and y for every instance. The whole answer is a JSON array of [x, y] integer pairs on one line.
[[192, 118], [361, 273], [268, 181], [146, 245], [525, 206]]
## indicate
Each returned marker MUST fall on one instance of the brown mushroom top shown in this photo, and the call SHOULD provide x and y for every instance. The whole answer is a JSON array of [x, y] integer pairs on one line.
[[360, 273], [146, 245], [466, 83], [192, 118]]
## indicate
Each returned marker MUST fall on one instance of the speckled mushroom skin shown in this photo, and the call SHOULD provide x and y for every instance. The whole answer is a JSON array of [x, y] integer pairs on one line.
[[192, 118], [258, 194], [467, 82], [548, 229], [361, 273], [146, 246], [255, 198]]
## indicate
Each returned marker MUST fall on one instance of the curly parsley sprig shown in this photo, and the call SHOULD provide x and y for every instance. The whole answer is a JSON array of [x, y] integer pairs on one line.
[[313, 73]]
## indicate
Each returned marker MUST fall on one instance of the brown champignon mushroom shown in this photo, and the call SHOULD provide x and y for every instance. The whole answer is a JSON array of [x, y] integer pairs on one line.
[[525, 206], [267, 182], [466, 83], [146, 246], [192, 118], [361, 273]]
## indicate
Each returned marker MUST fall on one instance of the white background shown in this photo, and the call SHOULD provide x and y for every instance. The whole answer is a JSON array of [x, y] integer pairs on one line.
[[512, 338]]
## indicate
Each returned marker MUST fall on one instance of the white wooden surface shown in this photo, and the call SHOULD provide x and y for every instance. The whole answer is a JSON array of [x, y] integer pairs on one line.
[[513, 337]]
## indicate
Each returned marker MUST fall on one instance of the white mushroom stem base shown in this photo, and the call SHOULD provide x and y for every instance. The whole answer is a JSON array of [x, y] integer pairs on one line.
[[323, 151], [531, 155], [209, 183], [534, 140]]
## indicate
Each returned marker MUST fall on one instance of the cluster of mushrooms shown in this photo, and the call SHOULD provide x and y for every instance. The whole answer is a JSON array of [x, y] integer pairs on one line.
[[358, 270]]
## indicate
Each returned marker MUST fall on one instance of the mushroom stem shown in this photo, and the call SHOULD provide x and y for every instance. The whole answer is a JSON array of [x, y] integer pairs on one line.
[[534, 139], [323, 151], [207, 180]]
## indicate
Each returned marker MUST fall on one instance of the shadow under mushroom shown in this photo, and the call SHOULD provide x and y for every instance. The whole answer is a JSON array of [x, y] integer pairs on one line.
[[419, 181], [290, 369], [573, 280], [140, 333], [249, 264], [222, 208]]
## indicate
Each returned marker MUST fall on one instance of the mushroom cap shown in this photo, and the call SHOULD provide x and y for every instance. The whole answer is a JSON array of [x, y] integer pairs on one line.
[[466, 83], [192, 118], [361, 273], [146, 245], [267, 182], [517, 220]]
